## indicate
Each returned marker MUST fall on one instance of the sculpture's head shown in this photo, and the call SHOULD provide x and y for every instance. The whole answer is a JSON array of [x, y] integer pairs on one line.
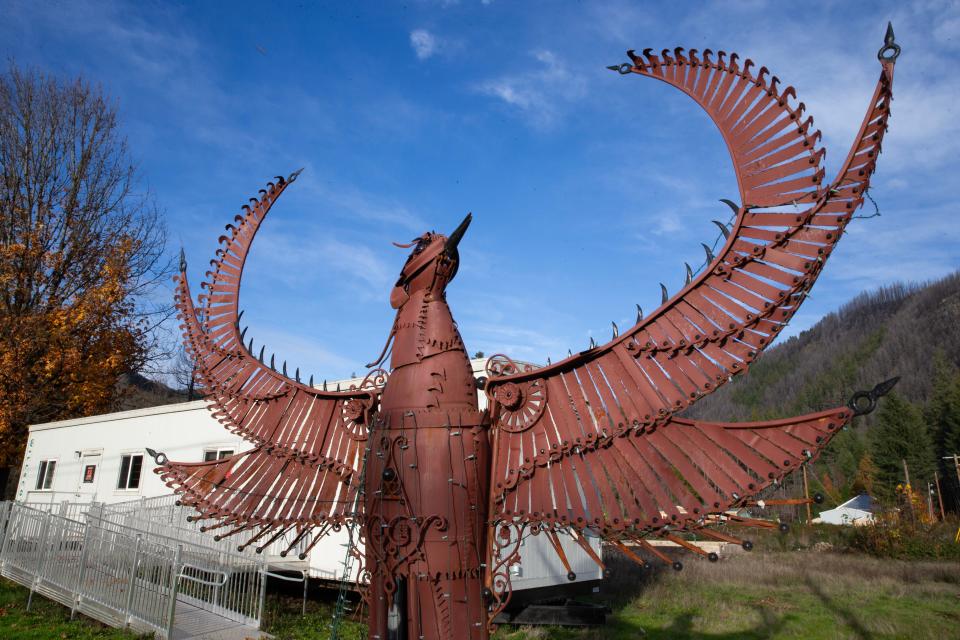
[[431, 265]]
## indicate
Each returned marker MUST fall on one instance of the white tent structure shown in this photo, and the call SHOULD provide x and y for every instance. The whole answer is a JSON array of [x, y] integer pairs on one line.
[[856, 511]]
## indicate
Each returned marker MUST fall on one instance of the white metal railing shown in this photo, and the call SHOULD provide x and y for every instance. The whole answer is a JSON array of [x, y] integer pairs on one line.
[[163, 513], [65, 508], [122, 575], [216, 579]]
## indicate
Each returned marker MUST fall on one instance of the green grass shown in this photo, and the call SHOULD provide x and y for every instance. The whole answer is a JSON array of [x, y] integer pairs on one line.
[[769, 595], [281, 618], [46, 619]]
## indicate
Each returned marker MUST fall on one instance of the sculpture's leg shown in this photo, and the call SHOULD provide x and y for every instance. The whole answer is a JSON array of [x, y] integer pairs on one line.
[[427, 499], [441, 608]]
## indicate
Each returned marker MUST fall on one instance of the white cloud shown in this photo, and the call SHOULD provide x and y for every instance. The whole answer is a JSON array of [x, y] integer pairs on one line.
[[541, 93], [346, 201], [424, 43], [304, 352], [298, 255]]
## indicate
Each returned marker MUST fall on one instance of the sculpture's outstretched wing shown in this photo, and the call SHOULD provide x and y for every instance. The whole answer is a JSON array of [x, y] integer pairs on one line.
[[593, 440], [672, 474], [309, 441]]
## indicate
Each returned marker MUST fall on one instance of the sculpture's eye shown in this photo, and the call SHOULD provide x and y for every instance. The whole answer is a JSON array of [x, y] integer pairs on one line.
[[422, 244]]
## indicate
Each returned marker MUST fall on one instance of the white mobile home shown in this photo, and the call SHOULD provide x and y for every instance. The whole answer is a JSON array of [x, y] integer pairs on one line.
[[103, 459], [855, 511]]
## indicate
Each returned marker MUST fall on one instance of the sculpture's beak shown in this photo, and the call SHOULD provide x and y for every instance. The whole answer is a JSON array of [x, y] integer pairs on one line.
[[457, 235]]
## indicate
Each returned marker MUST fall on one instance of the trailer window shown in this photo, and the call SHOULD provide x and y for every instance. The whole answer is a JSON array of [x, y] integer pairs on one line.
[[216, 454], [130, 466], [45, 475]]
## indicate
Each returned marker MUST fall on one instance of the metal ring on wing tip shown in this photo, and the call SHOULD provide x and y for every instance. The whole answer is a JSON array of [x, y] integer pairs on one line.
[[857, 408], [159, 458], [888, 58]]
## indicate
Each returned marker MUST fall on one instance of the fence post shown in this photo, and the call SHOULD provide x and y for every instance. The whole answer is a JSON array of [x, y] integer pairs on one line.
[[82, 574], [174, 587], [263, 588], [94, 513], [131, 582], [7, 534], [306, 576], [5, 511], [216, 591], [43, 558]]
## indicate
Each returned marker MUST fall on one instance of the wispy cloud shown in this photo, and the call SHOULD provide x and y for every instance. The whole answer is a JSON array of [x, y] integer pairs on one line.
[[424, 43], [303, 351], [301, 258], [517, 342], [345, 200], [539, 94]]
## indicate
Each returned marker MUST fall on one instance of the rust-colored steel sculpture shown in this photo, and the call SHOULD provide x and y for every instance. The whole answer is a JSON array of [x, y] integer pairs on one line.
[[442, 493]]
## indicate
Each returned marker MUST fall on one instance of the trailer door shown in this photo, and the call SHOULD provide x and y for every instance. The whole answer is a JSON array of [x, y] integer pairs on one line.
[[89, 474]]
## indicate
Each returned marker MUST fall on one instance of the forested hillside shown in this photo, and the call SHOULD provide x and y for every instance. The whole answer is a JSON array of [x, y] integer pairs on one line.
[[138, 392], [906, 330]]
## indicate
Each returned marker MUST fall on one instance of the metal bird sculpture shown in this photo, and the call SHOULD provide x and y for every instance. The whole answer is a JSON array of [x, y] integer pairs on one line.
[[440, 493]]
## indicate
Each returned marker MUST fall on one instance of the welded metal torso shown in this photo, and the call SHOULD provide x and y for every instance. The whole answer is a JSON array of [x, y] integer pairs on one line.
[[427, 473]]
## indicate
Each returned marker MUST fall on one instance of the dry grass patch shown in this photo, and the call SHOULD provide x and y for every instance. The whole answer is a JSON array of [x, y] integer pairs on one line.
[[776, 595]]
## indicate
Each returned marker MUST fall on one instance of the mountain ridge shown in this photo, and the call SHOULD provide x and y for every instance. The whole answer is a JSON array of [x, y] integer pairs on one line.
[[891, 331]]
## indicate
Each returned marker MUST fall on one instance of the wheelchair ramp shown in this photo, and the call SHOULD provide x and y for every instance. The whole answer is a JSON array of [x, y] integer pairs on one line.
[[133, 577], [193, 623]]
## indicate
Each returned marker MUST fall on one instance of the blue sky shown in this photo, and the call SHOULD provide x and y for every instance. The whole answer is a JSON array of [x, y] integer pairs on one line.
[[587, 188]]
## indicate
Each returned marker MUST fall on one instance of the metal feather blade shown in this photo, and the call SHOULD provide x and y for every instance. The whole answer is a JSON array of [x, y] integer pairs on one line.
[[723, 229], [733, 205]]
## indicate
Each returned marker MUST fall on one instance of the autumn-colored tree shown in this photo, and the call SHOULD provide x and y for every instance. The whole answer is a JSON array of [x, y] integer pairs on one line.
[[80, 249], [866, 472]]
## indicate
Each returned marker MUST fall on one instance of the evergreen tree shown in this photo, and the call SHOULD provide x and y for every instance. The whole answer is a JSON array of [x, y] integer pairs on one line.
[[942, 413], [839, 464], [943, 417], [900, 434]]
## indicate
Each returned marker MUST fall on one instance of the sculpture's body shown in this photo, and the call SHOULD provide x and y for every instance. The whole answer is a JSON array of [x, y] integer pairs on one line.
[[441, 492], [427, 471]]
